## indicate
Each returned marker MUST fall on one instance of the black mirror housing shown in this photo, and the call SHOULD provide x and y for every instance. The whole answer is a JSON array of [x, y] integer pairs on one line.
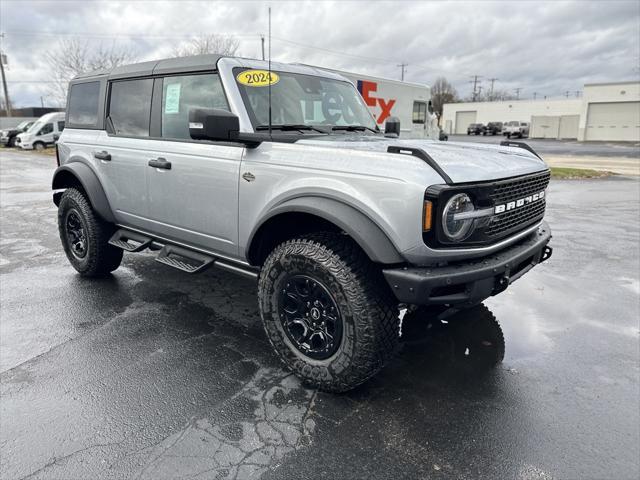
[[213, 124], [392, 127]]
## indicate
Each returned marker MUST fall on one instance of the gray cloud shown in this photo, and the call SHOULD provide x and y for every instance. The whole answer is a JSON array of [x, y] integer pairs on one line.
[[546, 47]]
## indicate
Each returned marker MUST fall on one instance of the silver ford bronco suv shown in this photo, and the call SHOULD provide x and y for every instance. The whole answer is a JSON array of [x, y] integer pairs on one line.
[[280, 173]]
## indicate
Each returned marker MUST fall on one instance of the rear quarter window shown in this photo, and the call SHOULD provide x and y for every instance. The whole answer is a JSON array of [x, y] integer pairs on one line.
[[83, 104]]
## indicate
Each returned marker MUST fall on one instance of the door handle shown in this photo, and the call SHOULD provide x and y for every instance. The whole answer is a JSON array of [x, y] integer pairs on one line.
[[106, 156], [160, 163]]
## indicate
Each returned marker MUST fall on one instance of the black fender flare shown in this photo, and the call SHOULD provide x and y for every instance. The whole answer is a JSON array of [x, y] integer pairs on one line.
[[356, 224], [64, 177]]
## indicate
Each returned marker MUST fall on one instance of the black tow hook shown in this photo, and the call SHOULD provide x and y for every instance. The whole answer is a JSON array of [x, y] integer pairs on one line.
[[546, 254]]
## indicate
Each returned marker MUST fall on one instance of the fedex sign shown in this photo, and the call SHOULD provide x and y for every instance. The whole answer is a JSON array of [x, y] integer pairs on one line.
[[367, 89]]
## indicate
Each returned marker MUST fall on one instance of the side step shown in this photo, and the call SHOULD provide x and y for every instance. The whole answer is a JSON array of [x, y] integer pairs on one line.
[[122, 239], [183, 259]]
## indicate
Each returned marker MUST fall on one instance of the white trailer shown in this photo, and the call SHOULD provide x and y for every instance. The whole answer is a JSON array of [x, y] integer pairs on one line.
[[410, 102]]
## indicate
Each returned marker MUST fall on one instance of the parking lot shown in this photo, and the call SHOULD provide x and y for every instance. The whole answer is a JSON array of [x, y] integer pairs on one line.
[[154, 374]]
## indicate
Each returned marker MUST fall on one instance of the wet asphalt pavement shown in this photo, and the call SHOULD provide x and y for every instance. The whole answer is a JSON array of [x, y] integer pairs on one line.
[[155, 374]]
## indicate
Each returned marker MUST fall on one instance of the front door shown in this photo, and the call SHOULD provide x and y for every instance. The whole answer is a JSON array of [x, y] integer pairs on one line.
[[192, 185]]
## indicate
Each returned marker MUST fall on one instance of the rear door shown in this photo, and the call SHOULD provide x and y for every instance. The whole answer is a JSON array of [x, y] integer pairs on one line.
[[122, 155], [193, 196], [419, 119]]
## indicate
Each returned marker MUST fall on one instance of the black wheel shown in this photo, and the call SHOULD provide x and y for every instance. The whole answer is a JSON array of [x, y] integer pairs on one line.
[[39, 146], [327, 311], [508, 135], [478, 341], [85, 236]]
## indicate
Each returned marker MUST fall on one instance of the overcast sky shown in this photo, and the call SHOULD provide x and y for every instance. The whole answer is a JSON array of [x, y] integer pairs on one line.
[[538, 46]]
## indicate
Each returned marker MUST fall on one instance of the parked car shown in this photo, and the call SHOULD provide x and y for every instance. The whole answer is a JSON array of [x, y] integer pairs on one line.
[[443, 137], [43, 133], [348, 231], [516, 129], [8, 136], [493, 128], [475, 129]]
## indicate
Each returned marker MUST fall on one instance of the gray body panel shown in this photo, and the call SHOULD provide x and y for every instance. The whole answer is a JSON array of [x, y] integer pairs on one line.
[[350, 180]]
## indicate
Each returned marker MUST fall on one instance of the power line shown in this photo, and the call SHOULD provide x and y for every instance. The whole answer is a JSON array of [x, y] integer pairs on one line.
[[517, 90], [492, 80]]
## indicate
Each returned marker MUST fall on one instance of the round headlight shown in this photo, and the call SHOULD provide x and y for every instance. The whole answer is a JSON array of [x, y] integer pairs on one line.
[[454, 225]]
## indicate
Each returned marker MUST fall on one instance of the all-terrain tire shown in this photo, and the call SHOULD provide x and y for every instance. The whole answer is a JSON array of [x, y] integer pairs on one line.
[[367, 307], [478, 341], [99, 257]]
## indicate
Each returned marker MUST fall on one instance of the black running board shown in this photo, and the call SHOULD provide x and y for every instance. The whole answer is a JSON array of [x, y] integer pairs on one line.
[[184, 259], [181, 257], [121, 239]]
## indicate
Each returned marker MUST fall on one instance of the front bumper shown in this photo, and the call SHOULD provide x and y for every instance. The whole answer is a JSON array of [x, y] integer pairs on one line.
[[470, 282]]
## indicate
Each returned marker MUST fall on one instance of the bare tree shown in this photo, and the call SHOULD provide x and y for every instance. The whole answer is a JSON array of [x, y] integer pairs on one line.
[[71, 57], [212, 43], [442, 92]]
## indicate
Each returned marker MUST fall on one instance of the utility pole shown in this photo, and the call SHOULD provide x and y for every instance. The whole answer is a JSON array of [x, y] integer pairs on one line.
[[41, 101], [517, 90], [475, 85], [7, 102], [403, 67], [479, 90], [577, 93], [491, 90], [535, 94], [566, 94], [262, 41]]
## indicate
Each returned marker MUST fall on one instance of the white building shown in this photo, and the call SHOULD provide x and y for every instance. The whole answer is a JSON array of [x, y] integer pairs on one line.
[[605, 112]]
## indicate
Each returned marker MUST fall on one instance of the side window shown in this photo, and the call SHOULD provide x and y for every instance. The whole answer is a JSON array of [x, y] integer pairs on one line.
[[83, 104], [130, 107], [60, 126], [47, 128], [182, 93], [419, 112]]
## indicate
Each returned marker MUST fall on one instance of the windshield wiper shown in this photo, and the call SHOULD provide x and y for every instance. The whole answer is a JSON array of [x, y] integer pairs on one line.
[[290, 127], [354, 128]]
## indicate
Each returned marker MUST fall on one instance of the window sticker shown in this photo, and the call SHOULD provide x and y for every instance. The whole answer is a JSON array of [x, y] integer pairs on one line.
[[172, 98], [257, 78]]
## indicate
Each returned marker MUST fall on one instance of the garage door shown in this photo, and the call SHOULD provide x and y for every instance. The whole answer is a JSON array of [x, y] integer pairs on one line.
[[544, 126], [463, 119], [613, 122], [569, 127]]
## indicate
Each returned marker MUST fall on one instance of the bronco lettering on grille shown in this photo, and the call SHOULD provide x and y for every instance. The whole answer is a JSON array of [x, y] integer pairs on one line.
[[521, 202]]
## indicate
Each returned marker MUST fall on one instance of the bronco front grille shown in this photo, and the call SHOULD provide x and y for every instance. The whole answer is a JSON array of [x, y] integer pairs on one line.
[[491, 195], [508, 221], [520, 188]]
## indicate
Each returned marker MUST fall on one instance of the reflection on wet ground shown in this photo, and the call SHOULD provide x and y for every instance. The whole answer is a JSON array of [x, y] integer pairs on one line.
[[155, 374]]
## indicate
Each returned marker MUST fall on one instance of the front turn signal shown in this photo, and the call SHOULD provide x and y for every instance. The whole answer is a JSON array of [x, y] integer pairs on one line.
[[427, 216]]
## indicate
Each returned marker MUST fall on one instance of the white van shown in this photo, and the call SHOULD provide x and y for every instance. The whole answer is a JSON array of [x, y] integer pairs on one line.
[[409, 102], [43, 133]]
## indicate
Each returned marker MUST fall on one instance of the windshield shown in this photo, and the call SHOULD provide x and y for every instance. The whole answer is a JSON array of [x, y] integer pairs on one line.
[[513, 124], [22, 125], [35, 127], [303, 100]]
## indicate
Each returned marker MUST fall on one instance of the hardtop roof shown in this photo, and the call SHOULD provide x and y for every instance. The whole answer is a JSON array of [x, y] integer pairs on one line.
[[196, 63], [165, 66]]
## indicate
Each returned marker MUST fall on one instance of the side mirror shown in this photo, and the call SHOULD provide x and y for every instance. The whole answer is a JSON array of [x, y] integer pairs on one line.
[[56, 137], [213, 124], [392, 127], [430, 107]]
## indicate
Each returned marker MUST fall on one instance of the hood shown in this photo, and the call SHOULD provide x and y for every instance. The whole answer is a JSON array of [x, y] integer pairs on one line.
[[462, 162]]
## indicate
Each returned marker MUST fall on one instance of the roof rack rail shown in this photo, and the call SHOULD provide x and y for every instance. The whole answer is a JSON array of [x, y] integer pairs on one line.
[[509, 143]]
